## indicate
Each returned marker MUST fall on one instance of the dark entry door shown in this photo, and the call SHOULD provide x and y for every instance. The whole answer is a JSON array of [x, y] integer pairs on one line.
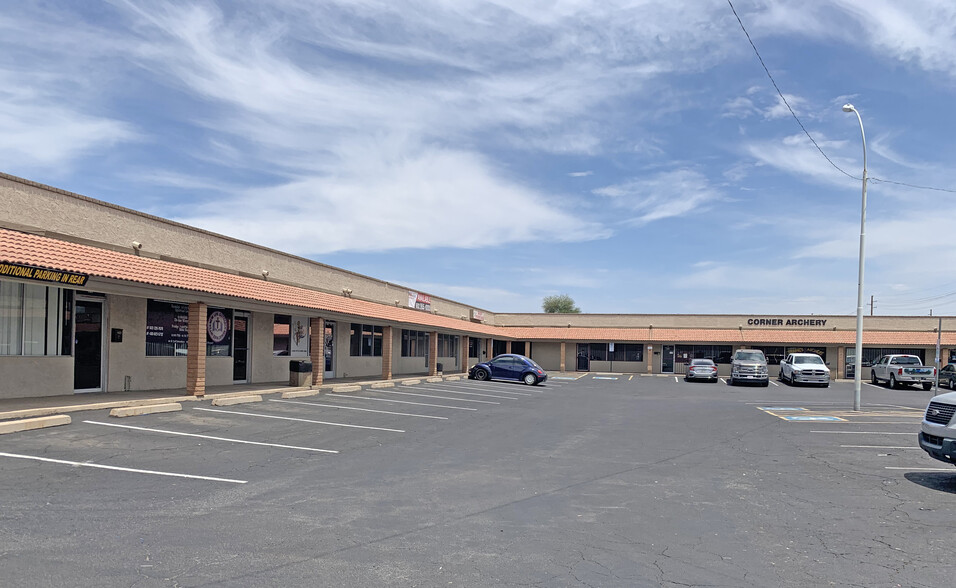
[[584, 359], [240, 349], [667, 359], [88, 353]]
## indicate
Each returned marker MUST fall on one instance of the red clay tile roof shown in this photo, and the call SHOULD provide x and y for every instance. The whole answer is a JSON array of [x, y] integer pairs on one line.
[[28, 249]]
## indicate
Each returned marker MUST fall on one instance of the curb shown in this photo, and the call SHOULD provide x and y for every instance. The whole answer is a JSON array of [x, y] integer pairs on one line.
[[35, 423], [300, 393], [229, 401], [128, 411]]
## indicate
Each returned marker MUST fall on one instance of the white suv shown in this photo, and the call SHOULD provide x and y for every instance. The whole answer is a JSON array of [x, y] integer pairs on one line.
[[804, 368], [749, 365]]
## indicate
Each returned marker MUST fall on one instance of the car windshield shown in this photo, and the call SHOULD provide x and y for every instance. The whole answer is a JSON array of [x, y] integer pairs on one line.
[[750, 356], [807, 359]]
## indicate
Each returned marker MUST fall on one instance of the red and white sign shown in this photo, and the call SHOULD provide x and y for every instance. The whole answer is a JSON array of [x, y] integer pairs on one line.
[[419, 301]]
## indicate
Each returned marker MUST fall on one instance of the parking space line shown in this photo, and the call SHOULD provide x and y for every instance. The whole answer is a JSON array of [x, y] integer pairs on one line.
[[401, 401], [86, 464], [675, 379], [209, 437], [385, 391], [424, 416], [774, 383], [468, 393], [877, 447], [282, 418], [723, 381], [863, 433], [950, 470]]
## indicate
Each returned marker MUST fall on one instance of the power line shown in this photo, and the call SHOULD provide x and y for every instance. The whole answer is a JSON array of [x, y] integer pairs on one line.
[[782, 97], [807, 133]]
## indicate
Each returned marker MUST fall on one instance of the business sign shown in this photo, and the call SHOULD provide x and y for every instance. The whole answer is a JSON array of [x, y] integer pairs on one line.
[[419, 301], [786, 322], [167, 323], [41, 274], [299, 337], [477, 315]]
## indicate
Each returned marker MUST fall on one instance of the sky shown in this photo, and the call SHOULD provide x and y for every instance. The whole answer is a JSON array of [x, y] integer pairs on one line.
[[633, 155]]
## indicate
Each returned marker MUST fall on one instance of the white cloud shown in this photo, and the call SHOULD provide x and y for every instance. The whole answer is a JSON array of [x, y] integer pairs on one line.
[[391, 195], [666, 194], [580, 174]]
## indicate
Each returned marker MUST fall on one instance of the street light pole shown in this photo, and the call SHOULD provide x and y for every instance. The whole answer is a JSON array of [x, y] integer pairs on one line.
[[858, 360]]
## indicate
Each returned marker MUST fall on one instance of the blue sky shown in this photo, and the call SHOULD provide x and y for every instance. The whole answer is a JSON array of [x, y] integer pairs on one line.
[[633, 155]]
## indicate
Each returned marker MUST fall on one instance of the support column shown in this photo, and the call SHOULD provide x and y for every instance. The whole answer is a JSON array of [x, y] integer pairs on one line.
[[196, 350], [564, 356], [464, 353], [527, 349], [841, 363], [489, 350], [507, 346], [650, 358], [386, 353], [433, 353], [317, 349]]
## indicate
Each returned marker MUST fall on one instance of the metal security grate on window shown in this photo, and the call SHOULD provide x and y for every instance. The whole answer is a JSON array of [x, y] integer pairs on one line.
[[940, 413]]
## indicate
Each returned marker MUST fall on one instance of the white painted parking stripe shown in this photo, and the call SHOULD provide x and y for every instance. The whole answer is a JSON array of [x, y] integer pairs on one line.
[[387, 391], [507, 390], [877, 447], [282, 418], [424, 416], [863, 433], [950, 470], [447, 391], [86, 464], [209, 437], [675, 378], [774, 383], [400, 401], [723, 381]]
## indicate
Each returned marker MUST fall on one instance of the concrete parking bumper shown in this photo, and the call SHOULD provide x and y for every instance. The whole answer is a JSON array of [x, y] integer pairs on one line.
[[34, 423]]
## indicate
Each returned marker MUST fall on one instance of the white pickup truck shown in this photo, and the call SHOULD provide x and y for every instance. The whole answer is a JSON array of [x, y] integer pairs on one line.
[[898, 370]]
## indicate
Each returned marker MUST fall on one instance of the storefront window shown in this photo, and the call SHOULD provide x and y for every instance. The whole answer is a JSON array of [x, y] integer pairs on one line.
[[281, 330], [31, 320], [365, 340], [715, 353], [167, 328]]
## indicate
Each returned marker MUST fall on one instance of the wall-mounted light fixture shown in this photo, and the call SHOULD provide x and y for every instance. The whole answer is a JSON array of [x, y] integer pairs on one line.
[[136, 245], [347, 292], [265, 274]]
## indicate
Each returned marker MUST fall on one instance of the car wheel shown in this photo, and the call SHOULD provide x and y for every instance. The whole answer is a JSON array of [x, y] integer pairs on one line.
[[530, 379], [873, 379], [732, 381], [893, 383], [927, 386], [481, 375]]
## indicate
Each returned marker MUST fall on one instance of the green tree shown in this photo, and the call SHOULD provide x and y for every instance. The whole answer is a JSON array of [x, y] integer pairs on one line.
[[560, 304]]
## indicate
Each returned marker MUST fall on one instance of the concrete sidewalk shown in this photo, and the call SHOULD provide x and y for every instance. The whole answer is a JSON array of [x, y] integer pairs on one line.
[[21, 408]]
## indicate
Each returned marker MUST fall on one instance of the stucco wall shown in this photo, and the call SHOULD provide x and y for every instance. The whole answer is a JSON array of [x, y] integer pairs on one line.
[[547, 355], [82, 219], [26, 377]]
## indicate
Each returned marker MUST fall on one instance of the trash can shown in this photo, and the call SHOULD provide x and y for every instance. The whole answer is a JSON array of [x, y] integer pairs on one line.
[[300, 372], [440, 368]]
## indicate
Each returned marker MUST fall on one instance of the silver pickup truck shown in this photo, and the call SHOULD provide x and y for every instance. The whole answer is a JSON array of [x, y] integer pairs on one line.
[[899, 370]]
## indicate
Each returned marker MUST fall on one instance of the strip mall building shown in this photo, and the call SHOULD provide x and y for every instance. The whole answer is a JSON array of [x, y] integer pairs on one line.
[[96, 297]]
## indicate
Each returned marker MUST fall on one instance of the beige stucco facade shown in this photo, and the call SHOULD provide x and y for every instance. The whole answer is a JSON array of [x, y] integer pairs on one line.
[[550, 339]]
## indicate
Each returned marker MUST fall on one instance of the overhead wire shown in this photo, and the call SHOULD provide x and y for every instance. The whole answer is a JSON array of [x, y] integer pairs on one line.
[[805, 131]]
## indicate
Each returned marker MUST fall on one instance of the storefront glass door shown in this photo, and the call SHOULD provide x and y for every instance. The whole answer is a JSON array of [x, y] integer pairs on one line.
[[667, 359], [240, 347], [88, 349]]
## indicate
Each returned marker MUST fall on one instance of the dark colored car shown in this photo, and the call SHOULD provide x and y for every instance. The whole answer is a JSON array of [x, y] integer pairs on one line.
[[701, 369], [509, 366], [947, 376]]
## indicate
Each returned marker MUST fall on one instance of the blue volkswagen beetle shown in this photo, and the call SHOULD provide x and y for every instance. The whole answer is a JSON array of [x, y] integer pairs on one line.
[[509, 366]]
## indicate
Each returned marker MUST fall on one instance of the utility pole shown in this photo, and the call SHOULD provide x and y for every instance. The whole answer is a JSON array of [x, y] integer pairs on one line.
[[871, 305]]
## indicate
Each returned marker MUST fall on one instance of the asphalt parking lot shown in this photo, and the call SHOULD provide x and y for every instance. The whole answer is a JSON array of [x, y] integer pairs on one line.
[[598, 480]]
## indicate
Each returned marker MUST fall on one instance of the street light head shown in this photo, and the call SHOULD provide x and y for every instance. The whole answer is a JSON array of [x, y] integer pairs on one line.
[[848, 107]]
